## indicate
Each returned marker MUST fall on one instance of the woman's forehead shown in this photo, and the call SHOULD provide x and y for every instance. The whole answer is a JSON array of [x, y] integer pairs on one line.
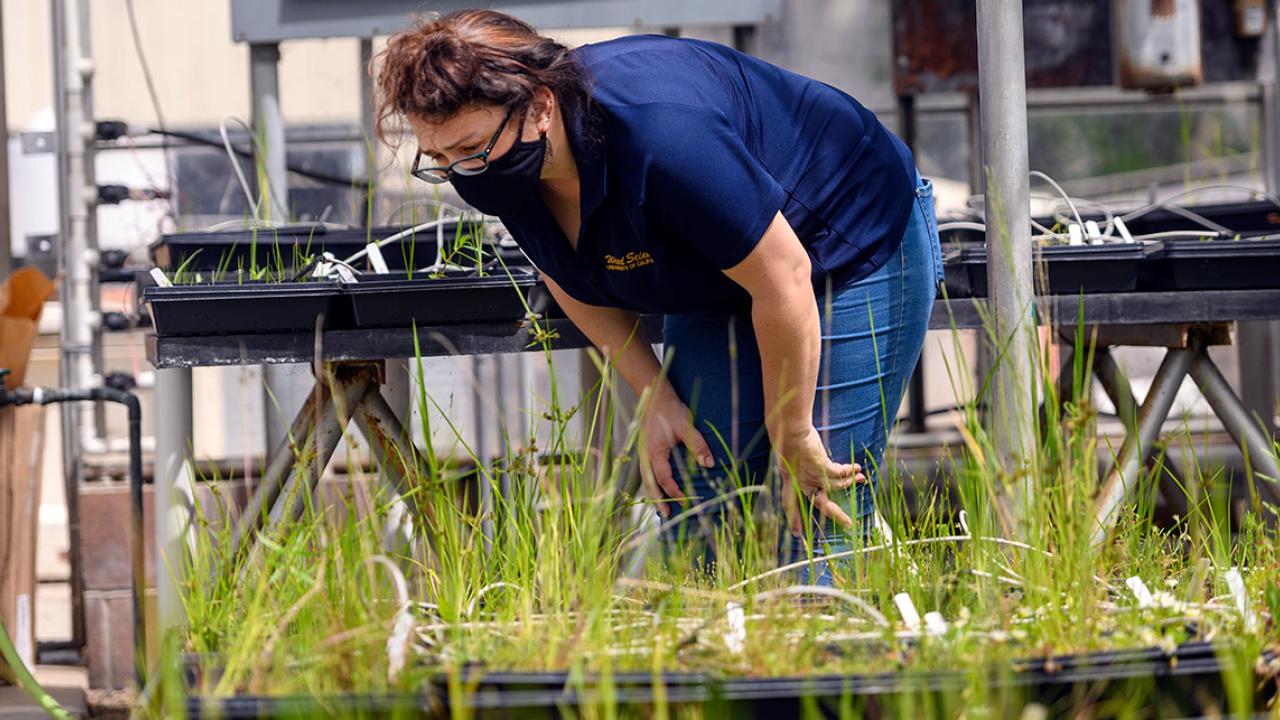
[[461, 127]]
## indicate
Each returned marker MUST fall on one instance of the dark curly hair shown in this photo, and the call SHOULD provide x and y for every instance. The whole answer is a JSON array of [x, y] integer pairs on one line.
[[470, 57]]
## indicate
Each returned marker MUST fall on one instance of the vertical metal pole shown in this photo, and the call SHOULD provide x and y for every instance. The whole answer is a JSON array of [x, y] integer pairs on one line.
[[917, 419], [1269, 79], [172, 403], [268, 125], [366, 125], [95, 433], [283, 383], [72, 293], [1003, 105], [746, 39], [1258, 355]]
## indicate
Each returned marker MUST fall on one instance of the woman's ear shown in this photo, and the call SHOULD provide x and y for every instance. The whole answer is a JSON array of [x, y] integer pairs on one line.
[[543, 108]]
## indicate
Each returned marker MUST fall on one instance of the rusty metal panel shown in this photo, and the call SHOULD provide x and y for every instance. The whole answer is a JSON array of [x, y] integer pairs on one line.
[[1068, 44]]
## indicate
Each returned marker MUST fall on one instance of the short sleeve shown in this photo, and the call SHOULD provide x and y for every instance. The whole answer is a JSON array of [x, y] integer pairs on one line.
[[704, 183]]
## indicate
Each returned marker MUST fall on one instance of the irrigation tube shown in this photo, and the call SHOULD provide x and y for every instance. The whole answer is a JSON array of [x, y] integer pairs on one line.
[[47, 396]]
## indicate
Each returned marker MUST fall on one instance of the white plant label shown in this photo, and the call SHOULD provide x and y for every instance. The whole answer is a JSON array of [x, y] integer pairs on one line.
[[378, 262], [1140, 591], [906, 608], [735, 638], [23, 642]]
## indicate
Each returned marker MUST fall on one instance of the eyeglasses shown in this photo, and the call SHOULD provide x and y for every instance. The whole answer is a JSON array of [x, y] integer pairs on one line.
[[473, 164]]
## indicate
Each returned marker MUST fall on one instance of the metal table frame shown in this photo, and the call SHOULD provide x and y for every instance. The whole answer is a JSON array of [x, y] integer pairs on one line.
[[349, 375]]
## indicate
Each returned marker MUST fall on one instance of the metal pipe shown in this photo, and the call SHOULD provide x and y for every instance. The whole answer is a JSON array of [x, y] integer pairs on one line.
[[137, 540], [94, 434], [1243, 427], [284, 393], [1123, 477], [367, 122], [1117, 387], [72, 347], [1269, 82], [1003, 107], [917, 416], [172, 403]]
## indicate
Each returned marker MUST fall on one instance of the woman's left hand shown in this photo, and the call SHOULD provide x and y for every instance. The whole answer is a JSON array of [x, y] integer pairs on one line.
[[808, 470]]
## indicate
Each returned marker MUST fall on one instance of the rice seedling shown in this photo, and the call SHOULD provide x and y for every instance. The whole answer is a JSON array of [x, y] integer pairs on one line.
[[546, 559]]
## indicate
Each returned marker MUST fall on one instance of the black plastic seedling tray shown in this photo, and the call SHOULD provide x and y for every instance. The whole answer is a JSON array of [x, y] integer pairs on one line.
[[1069, 269], [387, 301], [1188, 681], [376, 301], [210, 251], [1261, 217], [1212, 265], [231, 309]]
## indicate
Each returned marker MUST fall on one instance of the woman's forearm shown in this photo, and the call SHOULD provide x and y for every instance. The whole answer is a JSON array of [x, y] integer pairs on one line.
[[620, 338], [789, 336]]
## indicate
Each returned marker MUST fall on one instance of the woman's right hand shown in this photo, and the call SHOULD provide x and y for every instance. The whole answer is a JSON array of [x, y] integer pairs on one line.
[[667, 421]]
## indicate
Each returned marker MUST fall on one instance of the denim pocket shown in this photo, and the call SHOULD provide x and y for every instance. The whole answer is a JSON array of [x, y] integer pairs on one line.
[[924, 197]]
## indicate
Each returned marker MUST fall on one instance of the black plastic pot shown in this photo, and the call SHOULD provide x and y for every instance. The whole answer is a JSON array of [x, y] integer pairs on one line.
[[209, 251], [1187, 681], [1069, 269], [1212, 265], [387, 301], [228, 309]]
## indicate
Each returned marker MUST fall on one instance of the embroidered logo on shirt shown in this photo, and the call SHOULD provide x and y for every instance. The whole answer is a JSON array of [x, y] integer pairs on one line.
[[630, 261]]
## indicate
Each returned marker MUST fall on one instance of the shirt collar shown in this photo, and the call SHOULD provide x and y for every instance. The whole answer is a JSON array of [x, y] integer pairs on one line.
[[589, 156]]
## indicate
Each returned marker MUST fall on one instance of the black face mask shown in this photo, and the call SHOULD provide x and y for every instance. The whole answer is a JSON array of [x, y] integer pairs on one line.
[[509, 182]]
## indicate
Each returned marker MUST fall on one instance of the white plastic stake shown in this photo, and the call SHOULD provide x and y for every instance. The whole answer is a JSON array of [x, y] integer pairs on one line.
[[1235, 583], [1124, 230], [344, 273], [735, 638], [1093, 232], [378, 262], [1077, 237], [907, 610], [158, 275], [934, 624], [1140, 591]]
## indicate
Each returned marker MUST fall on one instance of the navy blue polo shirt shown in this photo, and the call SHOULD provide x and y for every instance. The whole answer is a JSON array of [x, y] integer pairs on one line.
[[694, 149]]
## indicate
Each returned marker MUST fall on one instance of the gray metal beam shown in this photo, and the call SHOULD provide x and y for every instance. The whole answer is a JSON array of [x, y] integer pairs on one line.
[[1123, 477], [256, 21], [1003, 105], [1241, 424]]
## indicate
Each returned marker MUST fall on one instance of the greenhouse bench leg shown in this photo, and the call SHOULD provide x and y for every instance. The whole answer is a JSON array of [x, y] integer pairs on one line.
[[1123, 477]]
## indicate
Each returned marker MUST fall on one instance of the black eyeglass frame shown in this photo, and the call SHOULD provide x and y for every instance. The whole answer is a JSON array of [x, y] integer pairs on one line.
[[438, 174]]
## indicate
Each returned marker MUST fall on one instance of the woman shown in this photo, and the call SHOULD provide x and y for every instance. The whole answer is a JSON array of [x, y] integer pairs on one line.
[[781, 229]]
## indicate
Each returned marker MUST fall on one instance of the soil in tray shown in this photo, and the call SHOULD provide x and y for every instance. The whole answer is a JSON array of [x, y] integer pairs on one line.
[[291, 246], [1212, 265], [1068, 269], [232, 309]]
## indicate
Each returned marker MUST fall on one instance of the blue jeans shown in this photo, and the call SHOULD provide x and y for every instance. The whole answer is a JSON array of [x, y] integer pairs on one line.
[[872, 332]]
